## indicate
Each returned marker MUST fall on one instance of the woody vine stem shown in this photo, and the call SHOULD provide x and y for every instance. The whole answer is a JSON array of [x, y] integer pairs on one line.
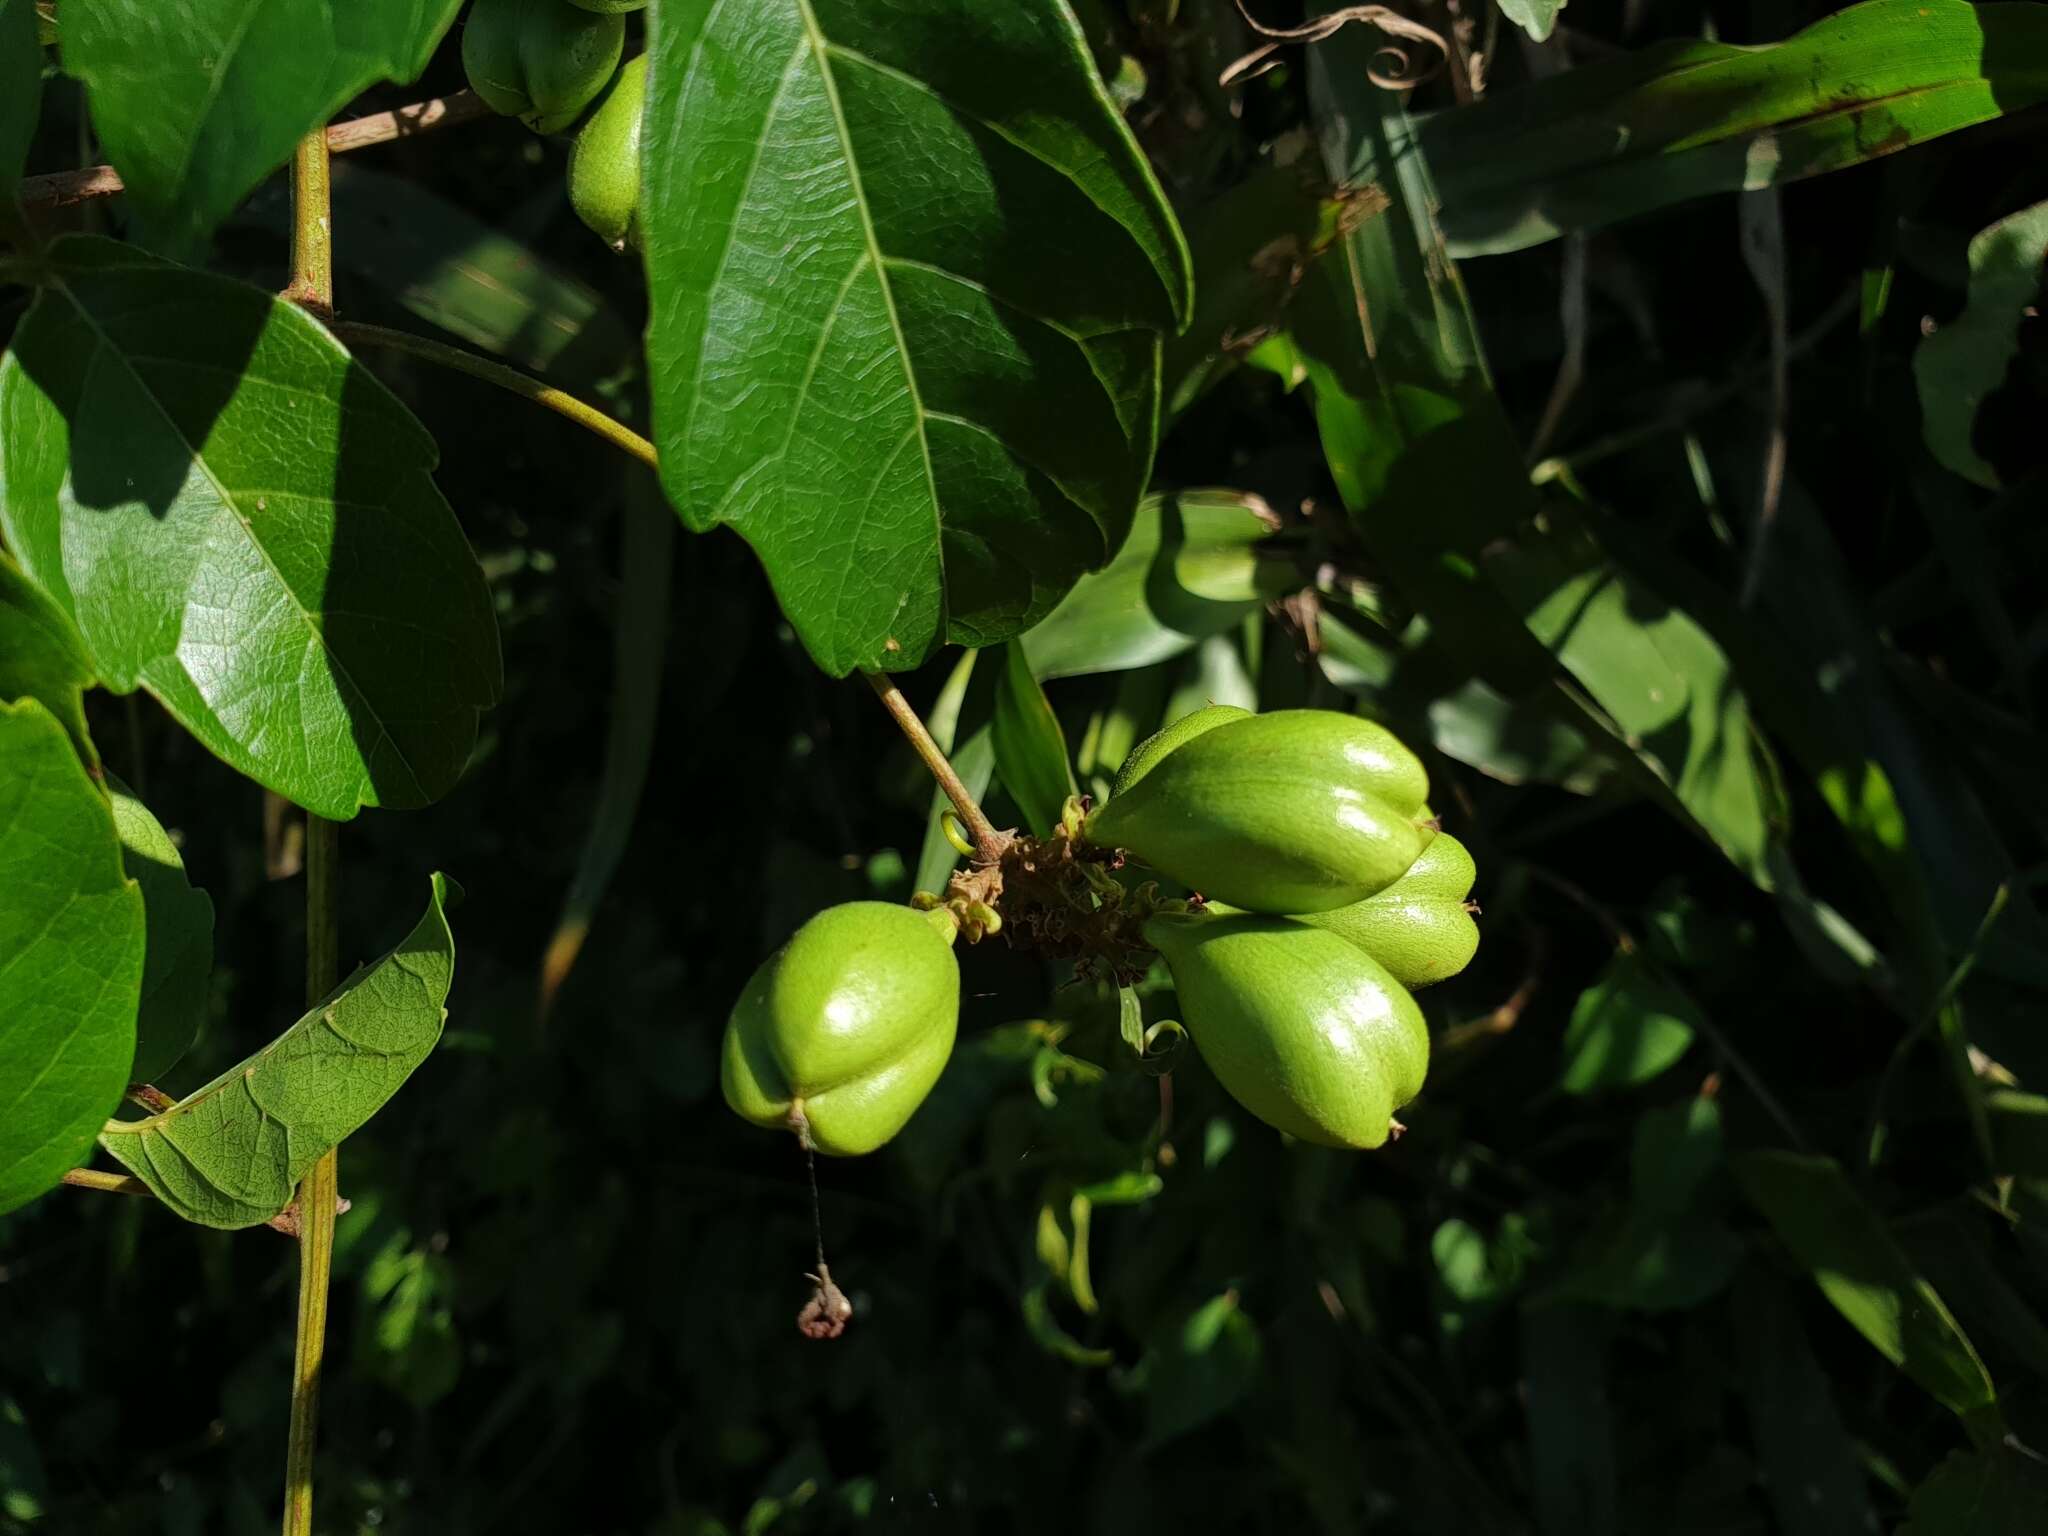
[[312, 287]]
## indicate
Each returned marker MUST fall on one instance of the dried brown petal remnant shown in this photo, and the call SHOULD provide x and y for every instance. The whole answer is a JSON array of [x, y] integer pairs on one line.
[[827, 1313]]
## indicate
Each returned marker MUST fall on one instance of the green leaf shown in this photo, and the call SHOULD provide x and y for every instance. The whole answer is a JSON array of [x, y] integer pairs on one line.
[[1630, 1025], [1031, 751], [1840, 1241], [2019, 1133], [2000, 1491], [1810, 1466], [1051, 1337], [71, 947], [1196, 563], [1685, 119], [1571, 1420], [23, 1485], [21, 94], [41, 656], [177, 971], [1199, 1368], [411, 1343], [1965, 360], [240, 519], [231, 1154], [197, 102], [1538, 18], [907, 271]]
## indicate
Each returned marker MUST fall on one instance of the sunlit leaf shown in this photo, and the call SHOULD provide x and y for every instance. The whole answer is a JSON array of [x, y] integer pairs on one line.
[[240, 519], [1031, 751], [199, 101], [41, 656], [1965, 360], [896, 384], [1538, 18], [1630, 1025], [1687, 118], [231, 1153], [71, 948]]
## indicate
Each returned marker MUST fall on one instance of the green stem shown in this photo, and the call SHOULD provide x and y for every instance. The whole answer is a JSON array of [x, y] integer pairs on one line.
[[109, 1183], [313, 287], [589, 417], [988, 843]]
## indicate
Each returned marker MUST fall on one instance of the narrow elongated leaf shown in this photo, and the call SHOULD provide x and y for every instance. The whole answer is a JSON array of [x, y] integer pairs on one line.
[[21, 94], [1861, 1269], [1966, 359], [1195, 563], [197, 102], [1810, 1466], [41, 656], [230, 1154], [1031, 750], [240, 519], [71, 944], [179, 923], [878, 349], [1685, 119]]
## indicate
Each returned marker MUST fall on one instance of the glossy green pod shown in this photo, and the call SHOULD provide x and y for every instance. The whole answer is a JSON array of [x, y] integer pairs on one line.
[[1303, 1029], [1146, 754], [843, 1031], [540, 61], [1419, 927], [1298, 811], [604, 159]]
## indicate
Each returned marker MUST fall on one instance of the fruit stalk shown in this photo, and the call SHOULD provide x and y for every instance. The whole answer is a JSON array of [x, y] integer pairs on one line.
[[988, 842]]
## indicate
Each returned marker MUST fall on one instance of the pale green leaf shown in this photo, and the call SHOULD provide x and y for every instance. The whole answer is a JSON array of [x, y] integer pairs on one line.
[[178, 969], [1630, 1025], [231, 1153], [240, 519], [71, 948], [1835, 1237], [1031, 751], [41, 656], [873, 350], [1538, 18], [1685, 119], [197, 101], [1965, 360]]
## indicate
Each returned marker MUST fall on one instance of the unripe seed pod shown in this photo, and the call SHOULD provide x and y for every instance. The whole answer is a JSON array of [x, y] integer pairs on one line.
[[1298, 811], [540, 61], [1146, 754], [1420, 927], [841, 1033], [604, 159], [1303, 1029]]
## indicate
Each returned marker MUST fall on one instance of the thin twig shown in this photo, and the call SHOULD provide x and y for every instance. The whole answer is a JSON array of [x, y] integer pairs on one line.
[[65, 188], [108, 1183], [988, 843], [1261, 59], [526, 387]]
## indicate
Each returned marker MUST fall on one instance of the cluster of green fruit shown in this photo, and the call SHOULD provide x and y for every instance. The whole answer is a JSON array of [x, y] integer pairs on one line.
[[555, 65], [1331, 893]]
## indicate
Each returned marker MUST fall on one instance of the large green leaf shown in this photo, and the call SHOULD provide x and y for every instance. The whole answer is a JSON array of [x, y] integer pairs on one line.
[[179, 923], [1684, 119], [1839, 1240], [71, 945], [1196, 562], [21, 94], [1966, 359], [908, 273], [41, 656], [240, 519], [197, 102], [230, 1154]]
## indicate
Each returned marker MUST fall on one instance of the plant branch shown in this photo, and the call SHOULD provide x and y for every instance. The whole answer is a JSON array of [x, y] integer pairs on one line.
[[312, 286], [988, 843], [65, 188], [107, 1183], [523, 385]]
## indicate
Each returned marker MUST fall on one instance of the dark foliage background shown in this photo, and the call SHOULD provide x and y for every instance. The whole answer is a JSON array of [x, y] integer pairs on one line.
[[566, 1289]]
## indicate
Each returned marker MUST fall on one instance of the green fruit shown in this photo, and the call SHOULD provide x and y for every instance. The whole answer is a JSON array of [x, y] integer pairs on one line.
[[540, 61], [842, 1032], [1419, 927], [1146, 754], [1298, 811], [1304, 1030], [604, 160]]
